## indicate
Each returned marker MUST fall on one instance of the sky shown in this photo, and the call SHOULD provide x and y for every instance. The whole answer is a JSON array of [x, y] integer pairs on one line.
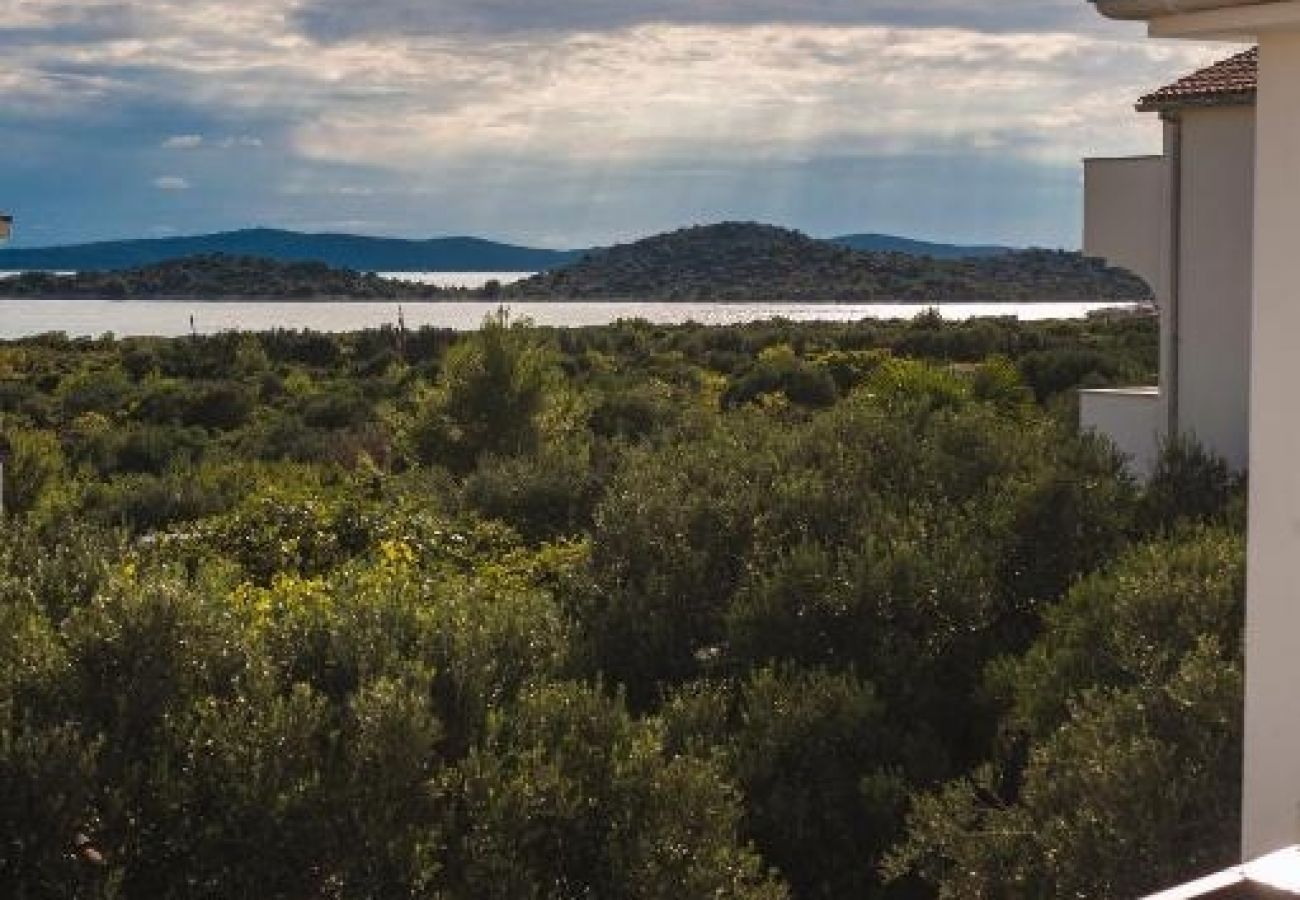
[[566, 124]]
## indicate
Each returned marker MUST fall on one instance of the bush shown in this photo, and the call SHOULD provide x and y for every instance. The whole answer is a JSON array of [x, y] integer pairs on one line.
[[618, 817], [1189, 485], [544, 497], [35, 462], [1130, 709], [490, 396]]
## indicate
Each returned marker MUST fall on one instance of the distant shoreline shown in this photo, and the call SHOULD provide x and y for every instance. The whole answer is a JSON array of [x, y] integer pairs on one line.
[[465, 295], [23, 318], [729, 263]]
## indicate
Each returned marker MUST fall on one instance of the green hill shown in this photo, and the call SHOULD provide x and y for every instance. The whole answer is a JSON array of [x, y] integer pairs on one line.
[[889, 243], [347, 251], [731, 262], [742, 262], [216, 277], [373, 254]]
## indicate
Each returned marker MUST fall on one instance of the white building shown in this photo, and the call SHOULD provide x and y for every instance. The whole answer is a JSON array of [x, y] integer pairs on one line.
[[1184, 222], [1271, 188]]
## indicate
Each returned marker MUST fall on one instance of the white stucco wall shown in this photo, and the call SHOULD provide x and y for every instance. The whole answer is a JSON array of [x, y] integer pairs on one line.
[[1133, 418], [1126, 215], [1214, 309], [1272, 777]]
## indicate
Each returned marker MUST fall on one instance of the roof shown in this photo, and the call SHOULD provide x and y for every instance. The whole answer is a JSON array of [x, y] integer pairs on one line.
[[1274, 876], [1231, 81], [1153, 9]]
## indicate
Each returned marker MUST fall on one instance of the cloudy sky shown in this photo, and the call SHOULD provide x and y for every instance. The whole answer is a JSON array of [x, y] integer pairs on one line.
[[565, 123]]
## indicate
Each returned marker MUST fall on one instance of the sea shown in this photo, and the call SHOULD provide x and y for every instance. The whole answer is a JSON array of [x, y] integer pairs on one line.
[[125, 318]]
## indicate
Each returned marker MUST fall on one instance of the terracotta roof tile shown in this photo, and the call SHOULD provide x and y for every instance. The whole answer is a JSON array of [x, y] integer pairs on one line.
[[1233, 80]]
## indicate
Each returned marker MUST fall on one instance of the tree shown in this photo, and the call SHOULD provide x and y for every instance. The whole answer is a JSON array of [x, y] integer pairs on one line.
[[489, 398], [570, 797], [814, 754], [1124, 742]]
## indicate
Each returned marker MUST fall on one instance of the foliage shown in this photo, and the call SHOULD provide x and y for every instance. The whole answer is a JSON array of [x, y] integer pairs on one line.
[[569, 797], [35, 461], [1130, 707], [745, 262], [221, 276], [729, 262], [492, 397], [636, 611], [808, 749], [1189, 485]]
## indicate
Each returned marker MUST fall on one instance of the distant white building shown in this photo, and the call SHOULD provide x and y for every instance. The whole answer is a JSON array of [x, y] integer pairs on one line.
[[1184, 221], [1230, 279]]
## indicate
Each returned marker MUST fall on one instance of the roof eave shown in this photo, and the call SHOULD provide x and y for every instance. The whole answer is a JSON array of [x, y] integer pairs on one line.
[[1242, 98], [1145, 10]]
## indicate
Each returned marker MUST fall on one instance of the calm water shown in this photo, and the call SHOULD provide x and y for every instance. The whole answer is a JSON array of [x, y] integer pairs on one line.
[[20, 318], [441, 279], [457, 279]]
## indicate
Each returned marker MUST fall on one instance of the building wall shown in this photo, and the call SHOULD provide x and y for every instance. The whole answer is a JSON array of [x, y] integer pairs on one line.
[[1215, 284], [1272, 784], [1127, 222], [1133, 418], [1205, 341], [1126, 215]]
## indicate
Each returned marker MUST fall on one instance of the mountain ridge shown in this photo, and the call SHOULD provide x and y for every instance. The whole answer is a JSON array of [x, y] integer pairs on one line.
[[871, 242], [350, 251], [379, 254], [730, 262]]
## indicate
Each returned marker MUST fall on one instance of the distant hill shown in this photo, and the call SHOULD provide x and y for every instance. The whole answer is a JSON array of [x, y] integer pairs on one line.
[[888, 243], [220, 277], [373, 254], [745, 262], [364, 254], [731, 262]]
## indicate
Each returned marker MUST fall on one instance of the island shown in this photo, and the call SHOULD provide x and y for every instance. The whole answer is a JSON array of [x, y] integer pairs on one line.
[[726, 263]]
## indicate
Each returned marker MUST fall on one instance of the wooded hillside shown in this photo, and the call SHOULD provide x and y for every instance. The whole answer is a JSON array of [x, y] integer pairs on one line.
[[739, 262]]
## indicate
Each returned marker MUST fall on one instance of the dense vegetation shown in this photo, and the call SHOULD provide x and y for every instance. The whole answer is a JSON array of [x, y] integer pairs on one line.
[[720, 263], [221, 277], [343, 251], [742, 262], [808, 611], [373, 254]]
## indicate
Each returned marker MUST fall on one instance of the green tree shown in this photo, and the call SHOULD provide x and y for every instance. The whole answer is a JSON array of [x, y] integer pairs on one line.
[[1128, 710], [490, 396], [1189, 485], [813, 753], [570, 797]]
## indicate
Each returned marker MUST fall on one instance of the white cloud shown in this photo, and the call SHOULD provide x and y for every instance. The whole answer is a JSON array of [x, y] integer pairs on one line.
[[651, 92], [340, 19], [245, 141], [488, 112], [183, 142], [761, 92]]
